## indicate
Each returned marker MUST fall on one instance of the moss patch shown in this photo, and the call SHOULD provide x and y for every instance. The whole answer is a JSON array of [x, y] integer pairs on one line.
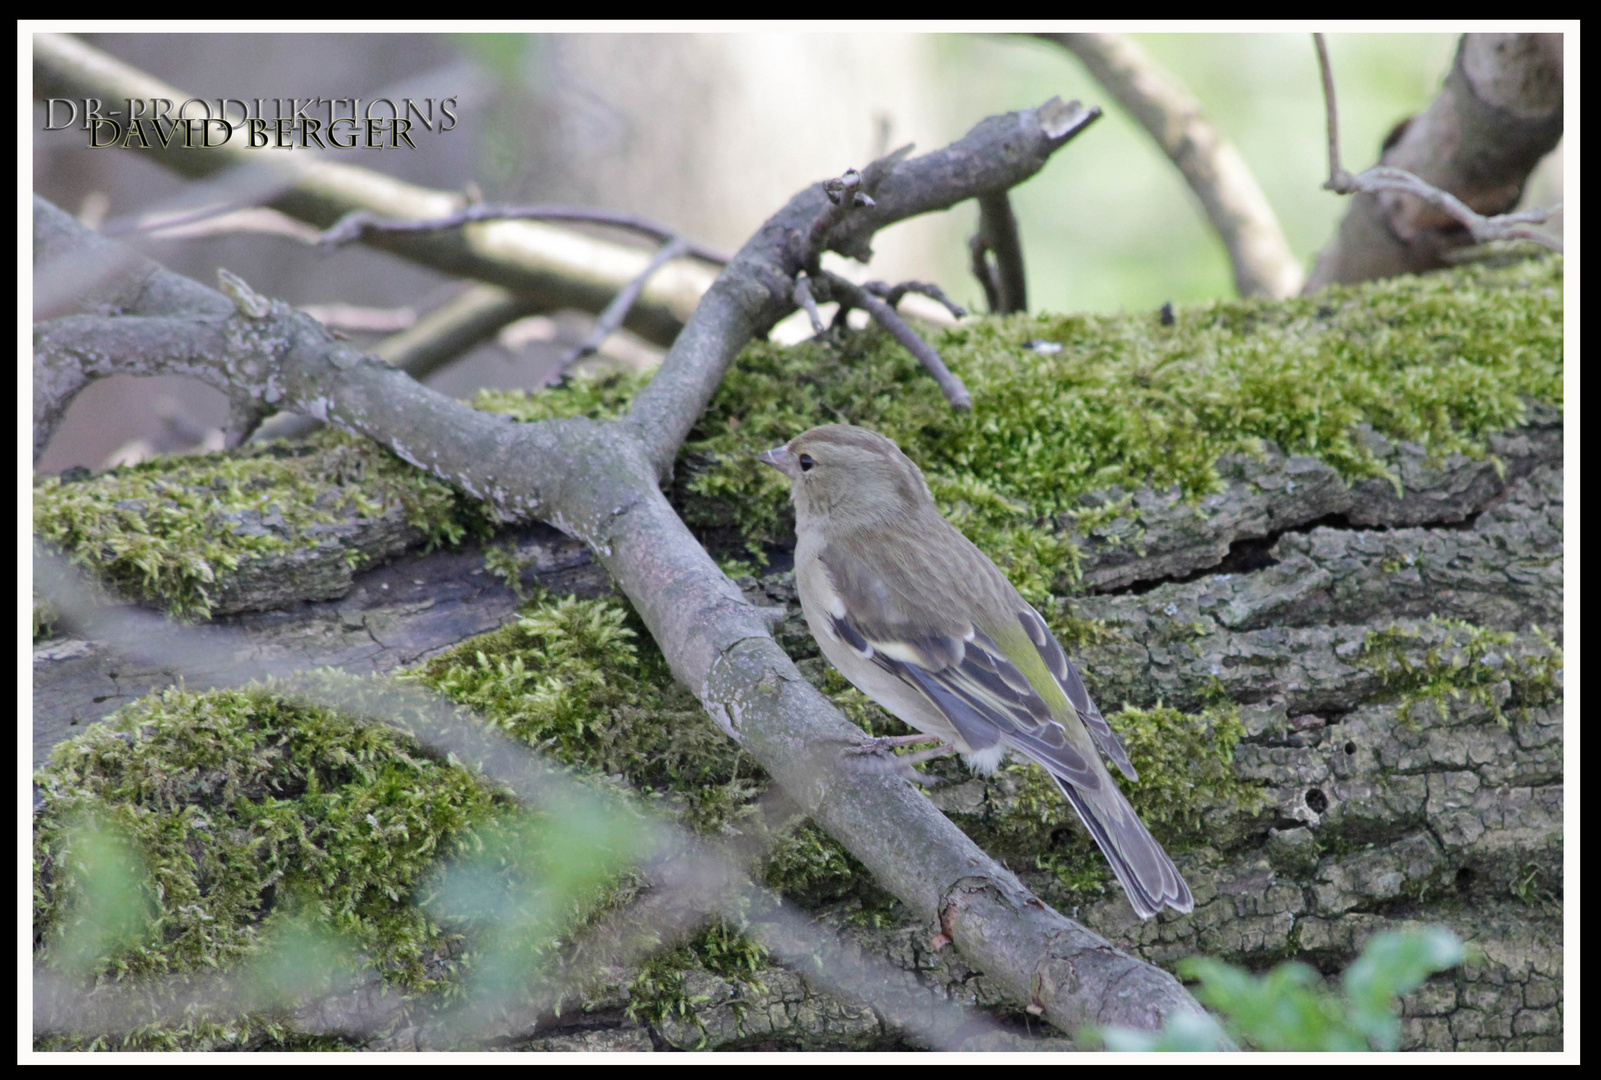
[[1445, 360], [582, 681], [257, 828], [168, 531], [245, 812], [1450, 658], [659, 992]]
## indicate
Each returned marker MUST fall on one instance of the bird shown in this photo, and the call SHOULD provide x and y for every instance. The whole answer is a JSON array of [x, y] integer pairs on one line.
[[921, 621]]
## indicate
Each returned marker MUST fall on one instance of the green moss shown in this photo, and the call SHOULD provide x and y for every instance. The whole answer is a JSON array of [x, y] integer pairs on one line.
[[1445, 360], [1451, 659], [582, 681], [1538, 886], [813, 868], [250, 812], [505, 566], [247, 813], [279, 842], [659, 993], [603, 397], [170, 531]]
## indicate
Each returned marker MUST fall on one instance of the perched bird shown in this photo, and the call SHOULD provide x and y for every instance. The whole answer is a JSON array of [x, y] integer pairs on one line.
[[920, 620]]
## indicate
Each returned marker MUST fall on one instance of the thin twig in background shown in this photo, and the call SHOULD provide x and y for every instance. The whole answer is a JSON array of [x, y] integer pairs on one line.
[[1337, 173], [805, 301], [1235, 204], [608, 322], [893, 294], [979, 264], [952, 387], [360, 223]]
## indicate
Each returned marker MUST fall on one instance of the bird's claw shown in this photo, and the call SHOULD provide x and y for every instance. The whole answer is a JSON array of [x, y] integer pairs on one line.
[[882, 749]]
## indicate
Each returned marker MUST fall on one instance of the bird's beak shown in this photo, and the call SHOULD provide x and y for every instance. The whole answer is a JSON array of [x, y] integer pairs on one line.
[[778, 457]]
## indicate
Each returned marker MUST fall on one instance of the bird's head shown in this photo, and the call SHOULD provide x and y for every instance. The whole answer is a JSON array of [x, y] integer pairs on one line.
[[851, 477]]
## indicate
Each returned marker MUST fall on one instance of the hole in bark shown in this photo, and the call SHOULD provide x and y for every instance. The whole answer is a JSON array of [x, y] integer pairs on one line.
[[1317, 801], [1464, 879], [1350, 748], [1244, 557]]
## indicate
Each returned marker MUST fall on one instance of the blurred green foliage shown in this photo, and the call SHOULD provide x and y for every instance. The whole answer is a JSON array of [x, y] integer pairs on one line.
[[1290, 1008]]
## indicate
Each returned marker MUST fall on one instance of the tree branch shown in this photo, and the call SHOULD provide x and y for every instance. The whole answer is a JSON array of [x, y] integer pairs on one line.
[[1449, 177], [1234, 202], [756, 289]]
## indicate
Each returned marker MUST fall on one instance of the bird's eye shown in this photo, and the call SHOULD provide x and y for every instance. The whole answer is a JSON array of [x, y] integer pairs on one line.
[[806, 462]]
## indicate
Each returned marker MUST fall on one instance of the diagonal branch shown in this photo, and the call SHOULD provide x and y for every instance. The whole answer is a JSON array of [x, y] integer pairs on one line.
[[612, 318], [1234, 203], [885, 315]]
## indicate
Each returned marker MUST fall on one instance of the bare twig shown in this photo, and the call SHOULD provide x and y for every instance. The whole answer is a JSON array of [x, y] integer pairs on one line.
[[608, 322], [856, 296], [892, 294], [1337, 173], [997, 235], [979, 264], [1235, 204], [805, 301], [360, 223], [1478, 147]]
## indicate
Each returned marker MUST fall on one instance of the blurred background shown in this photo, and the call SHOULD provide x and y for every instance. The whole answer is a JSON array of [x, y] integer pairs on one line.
[[710, 134]]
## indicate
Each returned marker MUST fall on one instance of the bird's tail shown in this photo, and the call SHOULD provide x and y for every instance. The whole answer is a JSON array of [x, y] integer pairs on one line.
[[1148, 876]]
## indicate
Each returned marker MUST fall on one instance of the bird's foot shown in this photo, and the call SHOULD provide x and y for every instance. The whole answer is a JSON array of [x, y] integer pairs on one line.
[[884, 758]]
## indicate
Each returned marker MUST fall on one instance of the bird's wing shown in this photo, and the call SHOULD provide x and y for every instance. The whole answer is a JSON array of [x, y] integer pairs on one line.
[[1066, 676], [913, 626]]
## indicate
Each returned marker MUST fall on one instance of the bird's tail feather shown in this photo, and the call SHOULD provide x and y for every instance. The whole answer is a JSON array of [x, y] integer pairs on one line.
[[1148, 876]]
